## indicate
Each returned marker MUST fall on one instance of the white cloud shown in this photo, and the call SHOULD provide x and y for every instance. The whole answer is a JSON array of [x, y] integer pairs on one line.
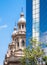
[[3, 26]]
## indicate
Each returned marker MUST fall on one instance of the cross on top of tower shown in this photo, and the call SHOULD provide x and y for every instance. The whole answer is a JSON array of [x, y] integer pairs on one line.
[[22, 14], [15, 27]]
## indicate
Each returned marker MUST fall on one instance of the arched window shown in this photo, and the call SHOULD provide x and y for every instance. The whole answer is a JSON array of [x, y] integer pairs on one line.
[[18, 44], [15, 40], [23, 43], [22, 25]]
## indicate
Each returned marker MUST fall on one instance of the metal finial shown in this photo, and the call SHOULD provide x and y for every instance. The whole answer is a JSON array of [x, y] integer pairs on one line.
[[15, 26], [22, 14], [15, 23]]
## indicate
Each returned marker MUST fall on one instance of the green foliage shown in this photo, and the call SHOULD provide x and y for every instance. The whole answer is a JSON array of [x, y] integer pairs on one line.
[[31, 55], [44, 58]]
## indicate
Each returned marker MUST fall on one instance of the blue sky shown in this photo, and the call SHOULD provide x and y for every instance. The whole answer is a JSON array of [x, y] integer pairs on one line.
[[43, 15], [9, 14]]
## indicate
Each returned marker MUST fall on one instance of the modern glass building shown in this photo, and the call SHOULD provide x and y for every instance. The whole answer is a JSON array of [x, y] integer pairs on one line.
[[35, 19]]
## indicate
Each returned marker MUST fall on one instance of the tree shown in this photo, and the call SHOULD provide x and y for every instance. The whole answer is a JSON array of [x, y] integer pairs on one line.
[[45, 59], [32, 53]]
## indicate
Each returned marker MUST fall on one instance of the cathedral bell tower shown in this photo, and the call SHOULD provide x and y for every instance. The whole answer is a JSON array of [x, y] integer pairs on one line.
[[18, 44], [22, 23]]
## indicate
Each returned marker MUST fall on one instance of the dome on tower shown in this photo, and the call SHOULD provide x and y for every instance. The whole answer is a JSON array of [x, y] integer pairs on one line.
[[15, 31], [22, 19]]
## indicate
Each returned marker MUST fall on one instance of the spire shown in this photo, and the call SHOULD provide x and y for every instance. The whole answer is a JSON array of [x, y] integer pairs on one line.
[[21, 19], [15, 30], [15, 27], [22, 14]]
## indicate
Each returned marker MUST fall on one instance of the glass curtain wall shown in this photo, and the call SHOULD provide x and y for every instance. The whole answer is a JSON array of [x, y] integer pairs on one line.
[[36, 19]]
